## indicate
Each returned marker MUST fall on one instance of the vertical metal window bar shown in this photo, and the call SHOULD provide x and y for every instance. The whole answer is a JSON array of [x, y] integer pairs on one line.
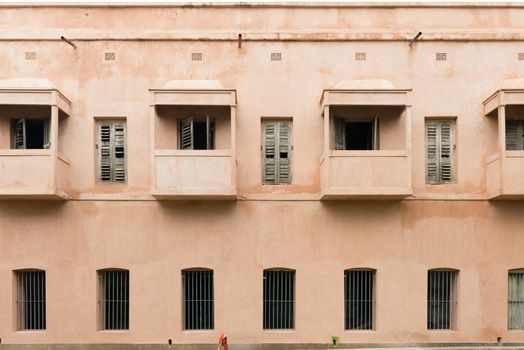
[[442, 299], [30, 300], [359, 300], [516, 301], [114, 299], [279, 299], [198, 299]]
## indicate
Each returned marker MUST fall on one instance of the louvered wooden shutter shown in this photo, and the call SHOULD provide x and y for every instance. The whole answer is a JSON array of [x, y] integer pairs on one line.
[[104, 149], [119, 160], [439, 151], [514, 137], [446, 151], [47, 132], [432, 173], [19, 134], [284, 152], [186, 133], [339, 133], [270, 171]]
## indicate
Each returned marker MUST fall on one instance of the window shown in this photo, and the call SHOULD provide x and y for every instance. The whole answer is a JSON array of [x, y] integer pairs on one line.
[[277, 152], [112, 152], [196, 134], [30, 299], [359, 299], [514, 135], [355, 135], [516, 300], [198, 305], [442, 299], [439, 151], [30, 133], [113, 299], [279, 299]]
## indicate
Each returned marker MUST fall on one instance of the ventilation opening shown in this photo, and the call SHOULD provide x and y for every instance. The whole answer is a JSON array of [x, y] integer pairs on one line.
[[359, 136]]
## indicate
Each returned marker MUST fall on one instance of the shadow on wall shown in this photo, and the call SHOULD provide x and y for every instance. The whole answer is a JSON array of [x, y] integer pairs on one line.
[[32, 208], [190, 207]]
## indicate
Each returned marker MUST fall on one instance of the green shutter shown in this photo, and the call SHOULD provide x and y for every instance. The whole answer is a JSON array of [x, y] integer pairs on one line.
[[270, 173], [277, 153], [104, 149], [19, 134], [119, 153], [339, 133], [432, 164], [514, 135], [439, 151], [446, 151], [284, 152], [186, 133]]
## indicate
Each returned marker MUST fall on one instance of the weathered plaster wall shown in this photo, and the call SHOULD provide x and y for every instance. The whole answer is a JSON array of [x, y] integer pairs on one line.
[[155, 240]]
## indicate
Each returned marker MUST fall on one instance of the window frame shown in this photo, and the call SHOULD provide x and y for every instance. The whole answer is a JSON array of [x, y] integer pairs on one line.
[[371, 315], [439, 121], [22, 324], [521, 316], [103, 302], [14, 132], [112, 122], [185, 301], [210, 132], [277, 160], [339, 127], [453, 302], [266, 302], [519, 142]]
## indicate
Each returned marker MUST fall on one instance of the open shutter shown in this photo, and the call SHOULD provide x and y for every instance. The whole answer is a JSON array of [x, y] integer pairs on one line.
[[284, 152], [119, 161], [47, 132], [513, 135], [186, 133], [432, 174], [339, 133], [374, 141], [270, 174], [19, 134], [446, 151], [104, 144]]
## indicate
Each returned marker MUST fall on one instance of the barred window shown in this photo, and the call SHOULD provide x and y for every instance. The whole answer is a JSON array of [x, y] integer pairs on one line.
[[198, 299], [113, 301], [30, 299], [279, 299], [516, 300], [359, 298], [442, 299]]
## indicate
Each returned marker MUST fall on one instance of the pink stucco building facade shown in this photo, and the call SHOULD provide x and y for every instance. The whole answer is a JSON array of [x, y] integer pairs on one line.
[[280, 173]]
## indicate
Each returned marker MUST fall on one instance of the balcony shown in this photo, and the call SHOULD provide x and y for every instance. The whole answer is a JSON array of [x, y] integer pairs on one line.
[[194, 141], [31, 165], [367, 142], [505, 118]]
